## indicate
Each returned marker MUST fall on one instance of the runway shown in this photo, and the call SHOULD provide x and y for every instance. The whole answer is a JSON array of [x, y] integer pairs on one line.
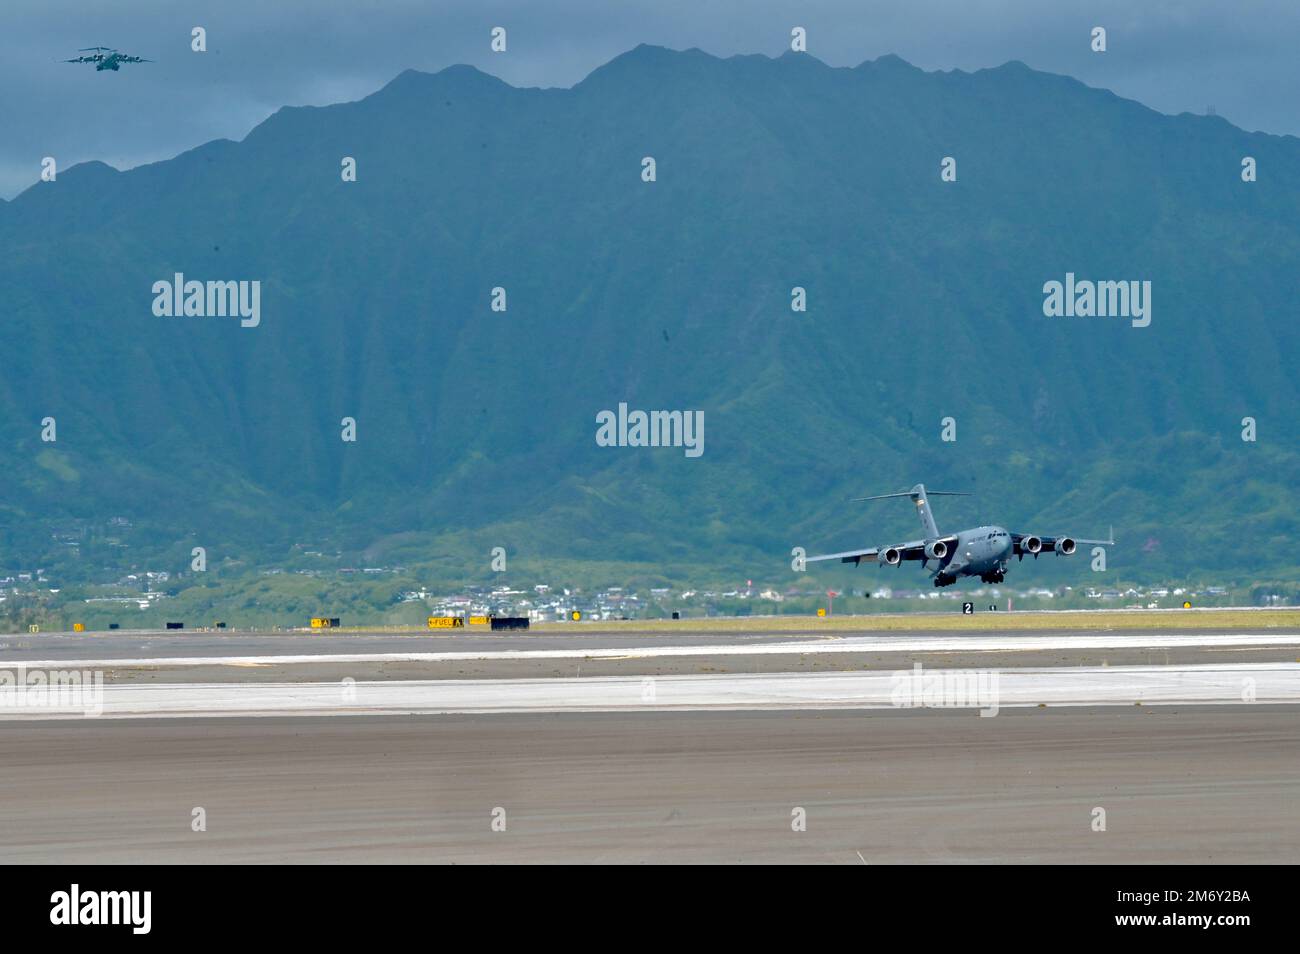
[[580, 642], [217, 658], [1193, 785], [689, 748], [186, 644], [917, 687]]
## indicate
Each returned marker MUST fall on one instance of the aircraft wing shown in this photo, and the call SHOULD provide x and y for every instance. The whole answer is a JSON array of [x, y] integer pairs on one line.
[[1048, 541], [848, 556], [912, 550]]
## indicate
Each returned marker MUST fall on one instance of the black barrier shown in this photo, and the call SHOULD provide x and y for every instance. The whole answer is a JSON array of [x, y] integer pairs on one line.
[[1259, 901], [114, 625], [175, 625], [509, 622]]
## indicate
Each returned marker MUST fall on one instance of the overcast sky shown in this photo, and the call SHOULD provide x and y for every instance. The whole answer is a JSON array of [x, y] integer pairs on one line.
[[1239, 57]]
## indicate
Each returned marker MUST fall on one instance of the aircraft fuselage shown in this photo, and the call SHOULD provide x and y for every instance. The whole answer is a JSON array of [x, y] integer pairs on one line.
[[981, 551]]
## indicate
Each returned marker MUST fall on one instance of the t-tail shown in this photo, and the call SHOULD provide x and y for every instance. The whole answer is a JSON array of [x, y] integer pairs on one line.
[[920, 496]]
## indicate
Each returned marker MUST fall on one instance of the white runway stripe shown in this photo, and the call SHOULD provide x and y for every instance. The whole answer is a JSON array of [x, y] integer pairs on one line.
[[1073, 686], [871, 644]]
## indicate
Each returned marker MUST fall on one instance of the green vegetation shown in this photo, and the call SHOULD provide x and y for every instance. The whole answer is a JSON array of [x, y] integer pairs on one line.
[[476, 429]]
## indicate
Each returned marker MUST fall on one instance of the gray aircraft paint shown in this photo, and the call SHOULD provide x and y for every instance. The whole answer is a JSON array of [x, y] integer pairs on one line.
[[980, 551]]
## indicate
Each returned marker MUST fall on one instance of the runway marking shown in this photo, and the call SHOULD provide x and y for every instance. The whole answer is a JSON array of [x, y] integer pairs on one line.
[[870, 644], [1229, 683]]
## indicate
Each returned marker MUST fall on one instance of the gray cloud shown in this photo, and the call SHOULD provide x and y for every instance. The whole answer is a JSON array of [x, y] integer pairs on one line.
[[263, 54]]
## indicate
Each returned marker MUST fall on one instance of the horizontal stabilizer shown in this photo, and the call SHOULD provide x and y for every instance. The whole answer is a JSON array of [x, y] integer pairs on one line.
[[909, 493]]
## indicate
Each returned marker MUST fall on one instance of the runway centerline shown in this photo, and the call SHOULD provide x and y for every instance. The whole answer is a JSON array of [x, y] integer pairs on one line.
[[919, 687], [875, 644]]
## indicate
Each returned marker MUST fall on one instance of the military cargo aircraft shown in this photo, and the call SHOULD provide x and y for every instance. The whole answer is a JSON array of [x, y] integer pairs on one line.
[[982, 552], [106, 58]]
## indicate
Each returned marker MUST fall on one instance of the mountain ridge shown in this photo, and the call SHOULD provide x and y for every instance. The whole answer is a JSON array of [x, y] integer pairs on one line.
[[1010, 66], [672, 294]]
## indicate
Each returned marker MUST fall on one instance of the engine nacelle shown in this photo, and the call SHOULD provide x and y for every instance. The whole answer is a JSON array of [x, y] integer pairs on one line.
[[936, 550], [891, 555], [1064, 546], [1031, 544]]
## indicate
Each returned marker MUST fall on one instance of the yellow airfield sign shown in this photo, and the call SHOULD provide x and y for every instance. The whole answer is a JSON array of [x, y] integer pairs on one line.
[[446, 622]]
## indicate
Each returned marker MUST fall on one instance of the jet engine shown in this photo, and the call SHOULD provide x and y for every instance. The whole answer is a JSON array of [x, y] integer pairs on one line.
[[936, 550], [1031, 544], [1064, 546], [891, 555]]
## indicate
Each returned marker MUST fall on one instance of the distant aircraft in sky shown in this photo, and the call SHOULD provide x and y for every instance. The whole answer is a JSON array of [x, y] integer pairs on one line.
[[982, 552], [106, 58]]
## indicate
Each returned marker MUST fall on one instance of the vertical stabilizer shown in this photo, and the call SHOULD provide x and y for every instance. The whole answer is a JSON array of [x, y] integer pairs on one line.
[[928, 526]]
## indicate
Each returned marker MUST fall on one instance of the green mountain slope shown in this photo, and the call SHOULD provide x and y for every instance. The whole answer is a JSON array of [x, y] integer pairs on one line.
[[477, 428]]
